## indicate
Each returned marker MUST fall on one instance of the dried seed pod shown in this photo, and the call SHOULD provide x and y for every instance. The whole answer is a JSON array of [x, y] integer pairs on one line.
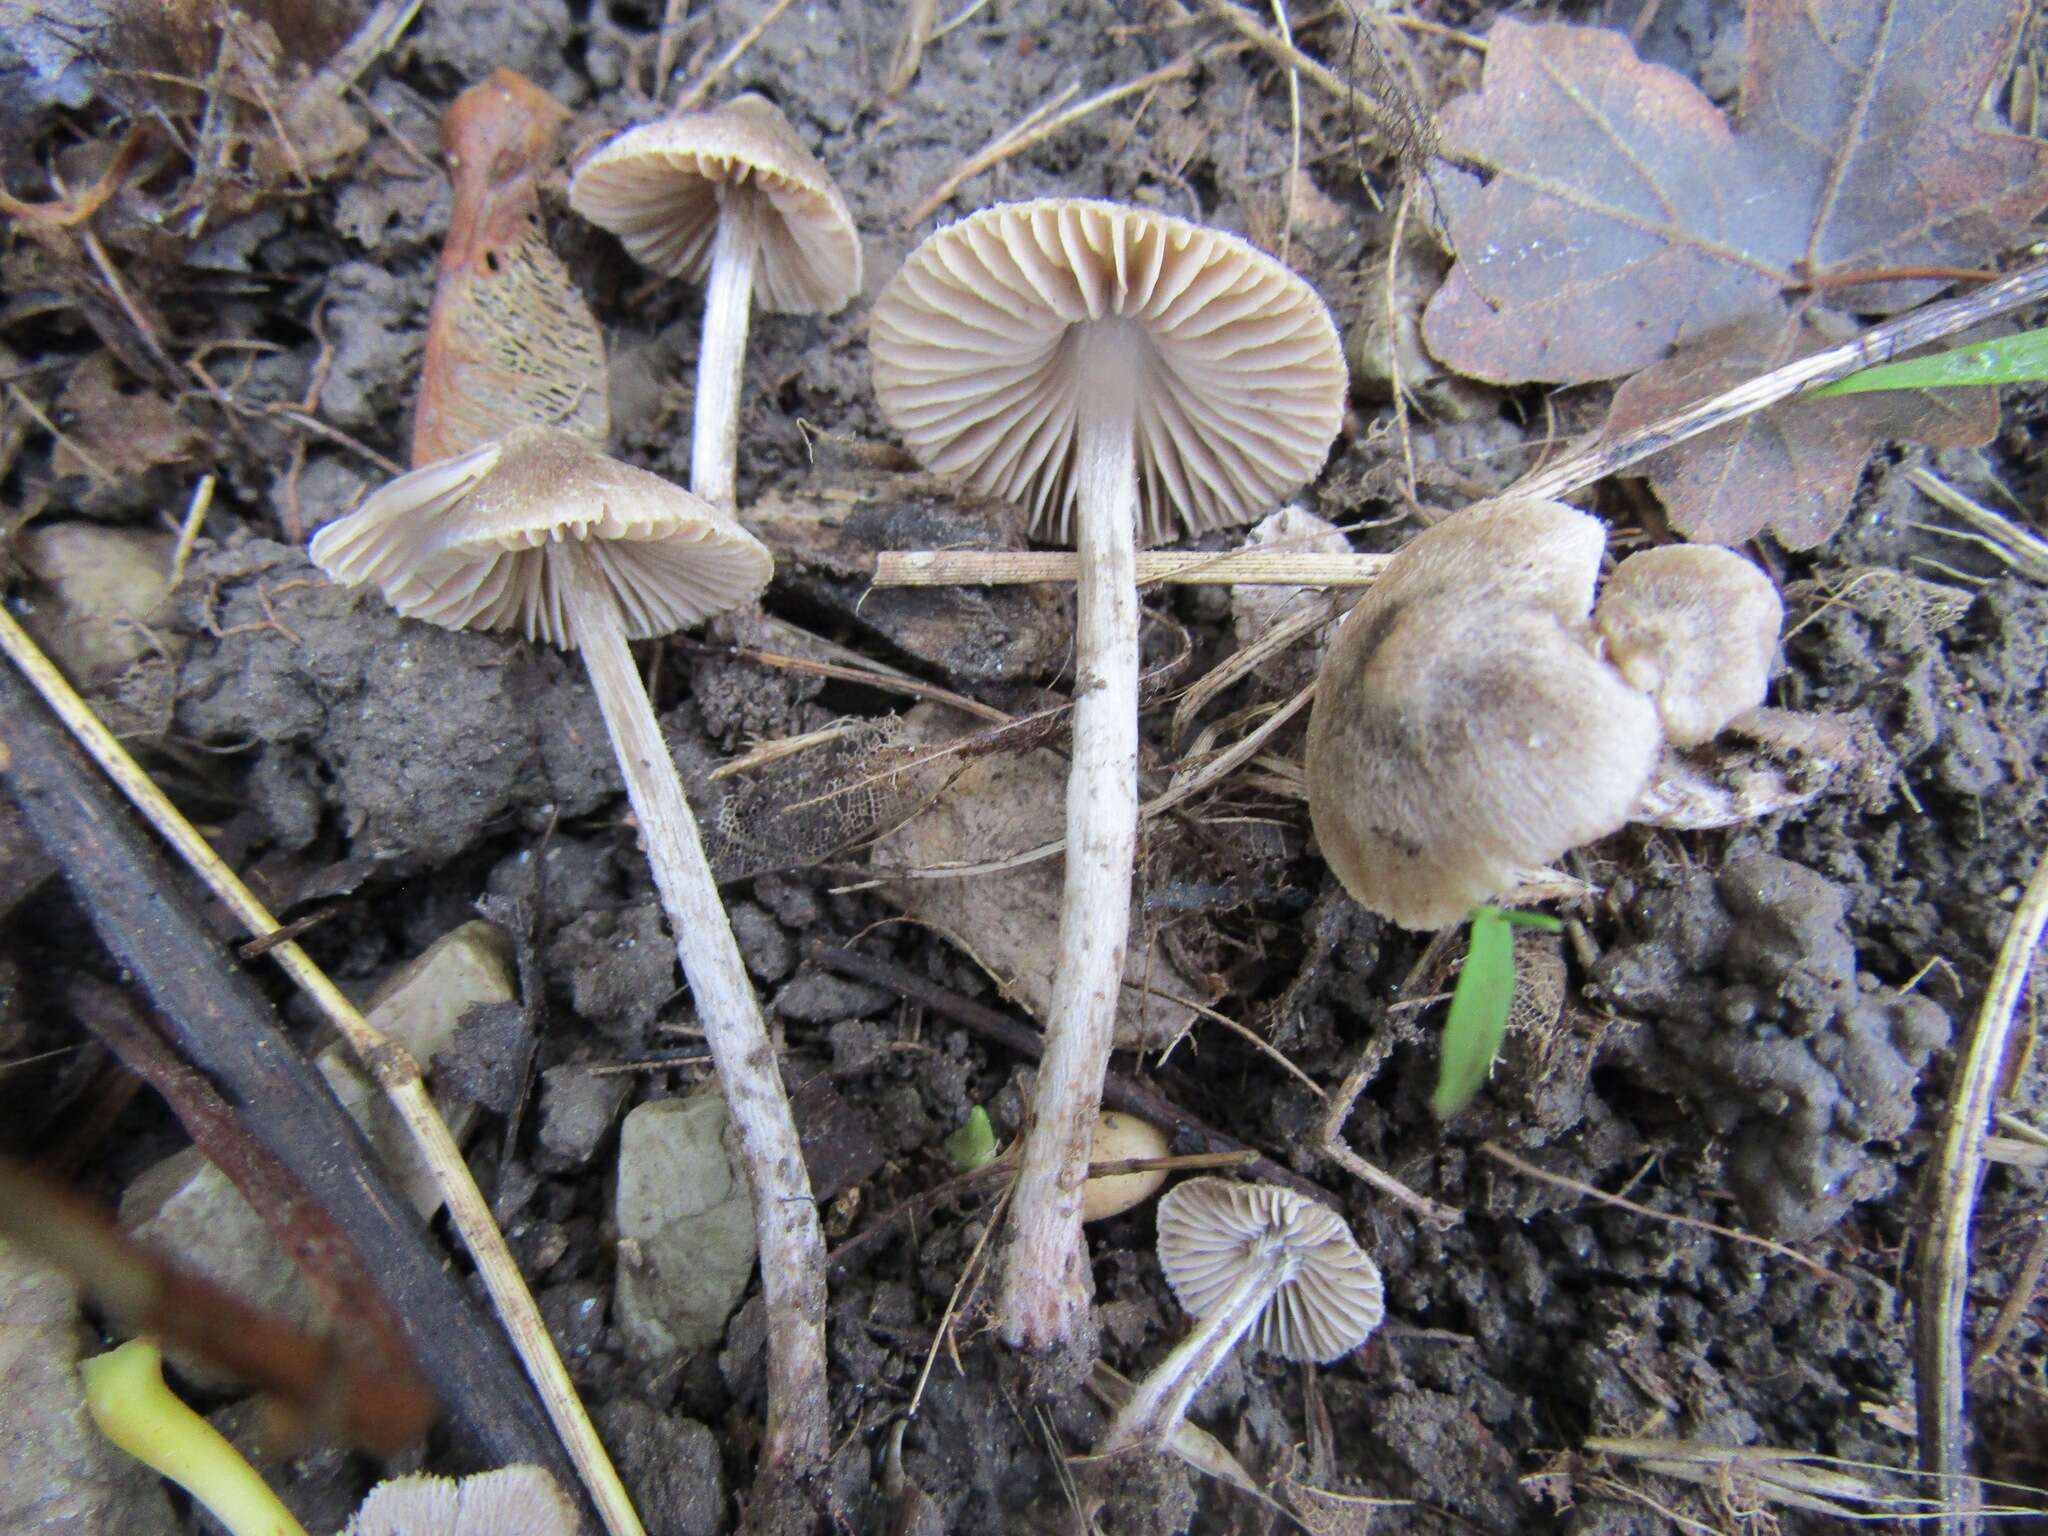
[[510, 342]]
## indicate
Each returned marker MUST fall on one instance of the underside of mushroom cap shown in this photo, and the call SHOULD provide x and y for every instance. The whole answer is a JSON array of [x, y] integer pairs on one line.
[[1695, 627], [661, 188], [1241, 379], [511, 1501], [466, 543], [1465, 728], [1210, 1229]]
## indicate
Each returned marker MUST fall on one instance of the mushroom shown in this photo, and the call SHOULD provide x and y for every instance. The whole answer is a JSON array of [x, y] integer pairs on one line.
[[730, 198], [1695, 627], [510, 341], [1465, 726], [1115, 371], [542, 533], [510, 1501], [1249, 1259], [1118, 1139]]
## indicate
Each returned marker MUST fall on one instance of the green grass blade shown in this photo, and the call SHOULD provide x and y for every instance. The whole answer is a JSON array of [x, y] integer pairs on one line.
[[2021, 359], [1479, 1012]]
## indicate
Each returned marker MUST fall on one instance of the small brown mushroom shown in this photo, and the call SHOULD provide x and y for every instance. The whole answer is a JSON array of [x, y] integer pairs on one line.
[[542, 533], [1695, 627], [511, 1501], [510, 342], [1249, 1259], [1465, 727], [730, 198], [1117, 371]]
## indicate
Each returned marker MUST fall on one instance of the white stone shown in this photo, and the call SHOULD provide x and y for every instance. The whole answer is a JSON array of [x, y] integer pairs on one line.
[[686, 1227]]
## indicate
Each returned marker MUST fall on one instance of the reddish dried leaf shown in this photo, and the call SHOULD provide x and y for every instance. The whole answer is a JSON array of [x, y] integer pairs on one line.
[[1604, 211], [1792, 470], [510, 342]]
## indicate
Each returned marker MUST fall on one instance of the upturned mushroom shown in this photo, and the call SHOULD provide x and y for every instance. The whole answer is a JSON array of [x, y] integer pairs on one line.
[[1248, 1259], [510, 1501], [1118, 372], [730, 198], [1465, 727], [510, 341], [543, 534], [1471, 723]]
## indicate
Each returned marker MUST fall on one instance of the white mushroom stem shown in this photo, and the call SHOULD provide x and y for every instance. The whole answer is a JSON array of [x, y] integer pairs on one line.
[[1157, 1405], [722, 354], [1045, 1279], [785, 1215]]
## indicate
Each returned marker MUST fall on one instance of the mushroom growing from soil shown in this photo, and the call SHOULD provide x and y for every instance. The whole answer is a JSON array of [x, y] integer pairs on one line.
[[1118, 372], [510, 342], [1465, 726], [540, 532], [511, 1501], [1248, 1259], [730, 198]]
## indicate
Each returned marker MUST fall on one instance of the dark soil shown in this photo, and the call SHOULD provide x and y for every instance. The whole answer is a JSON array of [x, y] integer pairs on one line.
[[1756, 1026]]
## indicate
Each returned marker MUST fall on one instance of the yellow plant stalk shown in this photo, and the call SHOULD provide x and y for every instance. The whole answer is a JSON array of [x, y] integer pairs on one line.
[[125, 1391]]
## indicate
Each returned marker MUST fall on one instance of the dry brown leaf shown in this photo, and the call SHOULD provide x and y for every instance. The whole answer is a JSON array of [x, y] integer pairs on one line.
[[1792, 470], [1604, 211]]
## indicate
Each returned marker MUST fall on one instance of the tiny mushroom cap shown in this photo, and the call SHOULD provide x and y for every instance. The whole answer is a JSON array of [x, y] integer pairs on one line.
[[512, 1501], [979, 365], [1695, 627], [1121, 1138], [1211, 1229], [1465, 728], [663, 187], [469, 543]]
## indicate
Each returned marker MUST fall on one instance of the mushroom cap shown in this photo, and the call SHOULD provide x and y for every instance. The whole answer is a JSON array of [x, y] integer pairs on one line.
[[1695, 627], [1118, 1138], [1209, 1229], [1464, 726], [661, 188], [1241, 380], [467, 543], [511, 1501]]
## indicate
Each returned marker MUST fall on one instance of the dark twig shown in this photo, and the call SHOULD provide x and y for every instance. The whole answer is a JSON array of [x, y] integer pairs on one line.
[[1119, 1092], [332, 1264], [222, 1023], [380, 1407]]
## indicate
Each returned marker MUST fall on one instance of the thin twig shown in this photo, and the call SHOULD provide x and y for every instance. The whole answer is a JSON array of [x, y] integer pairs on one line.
[[188, 531], [1331, 1142], [388, 1062], [1119, 1092], [1942, 1280], [1317, 74], [1879, 344], [1023, 138], [1217, 568], [1294, 129], [887, 682], [694, 96], [2019, 1298], [1499, 1153]]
